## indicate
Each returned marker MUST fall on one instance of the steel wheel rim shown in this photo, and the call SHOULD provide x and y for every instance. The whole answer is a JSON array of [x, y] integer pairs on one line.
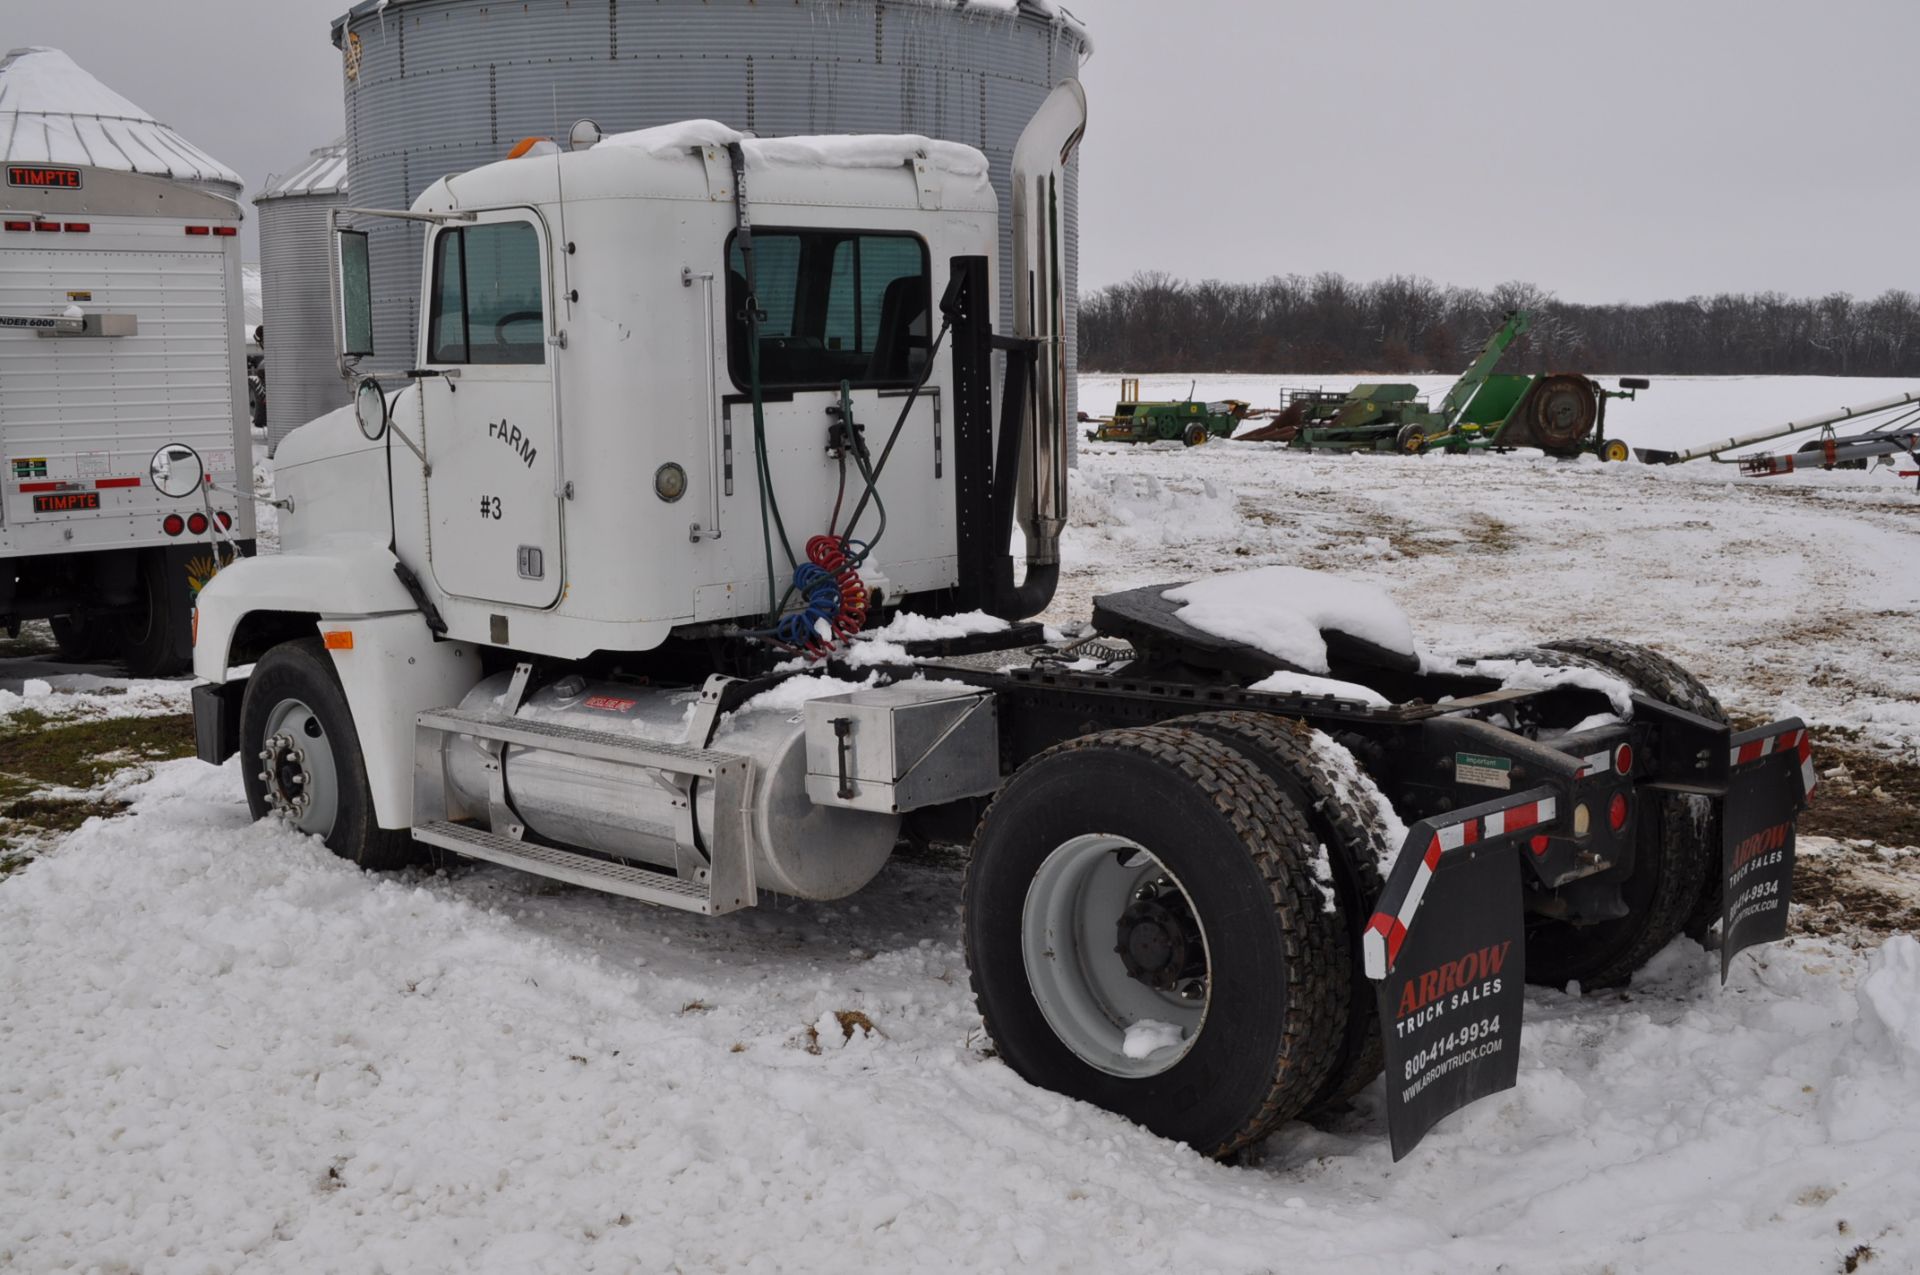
[[1068, 931], [297, 767]]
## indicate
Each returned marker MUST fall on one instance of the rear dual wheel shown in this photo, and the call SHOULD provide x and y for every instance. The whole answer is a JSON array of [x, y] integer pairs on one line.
[[1145, 933]]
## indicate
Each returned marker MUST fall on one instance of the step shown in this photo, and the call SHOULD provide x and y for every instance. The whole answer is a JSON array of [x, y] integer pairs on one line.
[[564, 865], [677, 759]]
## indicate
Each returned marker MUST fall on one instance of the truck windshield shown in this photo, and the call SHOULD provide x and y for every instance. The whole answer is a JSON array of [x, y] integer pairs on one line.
[[840, 305], [487, 298]]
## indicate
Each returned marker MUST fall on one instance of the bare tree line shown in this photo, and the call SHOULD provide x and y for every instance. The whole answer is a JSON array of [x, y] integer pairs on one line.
[[1326, 323]]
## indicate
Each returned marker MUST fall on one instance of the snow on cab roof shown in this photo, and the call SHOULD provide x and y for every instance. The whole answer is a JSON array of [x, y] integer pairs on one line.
[[324, 173], [53, 112], [859, 150]]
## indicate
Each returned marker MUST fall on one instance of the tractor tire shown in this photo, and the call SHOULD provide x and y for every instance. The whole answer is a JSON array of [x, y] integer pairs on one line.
[[1410, 439], [1145, 934], [1346, 821], [1195, 434], [1677, 856], [295, 712], [1562, 410], [1614, 450]]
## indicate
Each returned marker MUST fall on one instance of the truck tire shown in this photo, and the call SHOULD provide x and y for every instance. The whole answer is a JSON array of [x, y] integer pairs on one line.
[[1145, 933], [86, 638], [1661, 678], [157, 638], [313, 773], [1349, 824], [1676, 857]]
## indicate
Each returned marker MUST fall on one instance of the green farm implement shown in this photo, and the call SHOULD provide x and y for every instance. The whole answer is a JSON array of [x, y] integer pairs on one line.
[[1187, 420], [1562, 413]]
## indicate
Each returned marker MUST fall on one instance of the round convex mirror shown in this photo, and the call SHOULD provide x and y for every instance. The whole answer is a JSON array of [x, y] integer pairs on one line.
[[584, 135], [176, 470], [370, 406]]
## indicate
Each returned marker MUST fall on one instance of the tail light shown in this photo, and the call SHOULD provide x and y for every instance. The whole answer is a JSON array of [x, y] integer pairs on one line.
[[47, 227], [225, 518], [1617, 812], [199, 230], [197, 523], [226, 232], [79, 227], [19, 225], [172, 524], [1623, 759]]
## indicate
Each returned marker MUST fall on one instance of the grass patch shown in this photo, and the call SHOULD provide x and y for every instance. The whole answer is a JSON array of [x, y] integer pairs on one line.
[[38, 753]]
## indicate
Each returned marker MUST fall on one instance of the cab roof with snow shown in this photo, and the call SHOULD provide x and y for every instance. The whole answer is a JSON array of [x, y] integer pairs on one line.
[[690, 161]]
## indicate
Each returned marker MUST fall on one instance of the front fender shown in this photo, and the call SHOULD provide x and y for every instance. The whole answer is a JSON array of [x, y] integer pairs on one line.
[[343, 580]]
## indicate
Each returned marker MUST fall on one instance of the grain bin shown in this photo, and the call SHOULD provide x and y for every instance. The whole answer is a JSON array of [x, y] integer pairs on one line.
[[441, 86], [302, 381]]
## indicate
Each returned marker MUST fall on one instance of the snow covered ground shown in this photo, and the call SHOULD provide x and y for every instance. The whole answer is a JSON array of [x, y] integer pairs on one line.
[[224, 1050]]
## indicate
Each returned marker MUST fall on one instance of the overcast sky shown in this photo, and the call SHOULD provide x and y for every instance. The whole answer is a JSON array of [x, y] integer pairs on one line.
[[1626, 149]]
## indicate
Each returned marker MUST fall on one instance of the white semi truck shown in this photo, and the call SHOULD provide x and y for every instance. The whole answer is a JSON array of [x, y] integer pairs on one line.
[[690, 408]]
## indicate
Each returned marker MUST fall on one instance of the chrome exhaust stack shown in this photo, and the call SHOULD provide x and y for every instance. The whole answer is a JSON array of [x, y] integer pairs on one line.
[[1040, 311]]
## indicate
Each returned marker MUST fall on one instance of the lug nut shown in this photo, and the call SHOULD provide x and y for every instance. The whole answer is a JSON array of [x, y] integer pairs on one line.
[[262, 776]]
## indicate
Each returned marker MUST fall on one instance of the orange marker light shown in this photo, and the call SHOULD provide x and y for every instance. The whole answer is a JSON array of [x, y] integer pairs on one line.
[[338, 639]]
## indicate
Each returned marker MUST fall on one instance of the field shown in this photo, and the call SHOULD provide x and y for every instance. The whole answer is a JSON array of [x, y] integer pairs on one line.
[[225, 1050]]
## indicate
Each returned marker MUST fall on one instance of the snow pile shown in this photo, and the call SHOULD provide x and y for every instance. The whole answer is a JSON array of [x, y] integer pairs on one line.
[[1526, 675], [1147, 509], [226, 1050], [1307, 684], [864, 150], [1283, 610], [906, 627], [88, 697]]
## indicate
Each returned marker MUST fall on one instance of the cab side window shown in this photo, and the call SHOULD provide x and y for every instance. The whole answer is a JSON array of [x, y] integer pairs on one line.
[[488, 304], [840, 305]]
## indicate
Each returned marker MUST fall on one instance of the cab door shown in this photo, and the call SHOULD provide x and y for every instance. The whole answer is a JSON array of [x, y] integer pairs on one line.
[[492, 434]]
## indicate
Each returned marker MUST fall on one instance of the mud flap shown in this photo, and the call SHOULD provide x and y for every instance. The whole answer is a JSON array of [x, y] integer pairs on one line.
[[1770, 781], [1447, 950]]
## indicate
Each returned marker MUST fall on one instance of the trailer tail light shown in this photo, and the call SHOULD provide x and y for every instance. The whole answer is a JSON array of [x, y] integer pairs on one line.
[[197, 523], [1617, 812], [79, 227], [47, 227], [199, 230], [225, 519], [226, 232], [19, 225], [173, 524], [1623, 759]]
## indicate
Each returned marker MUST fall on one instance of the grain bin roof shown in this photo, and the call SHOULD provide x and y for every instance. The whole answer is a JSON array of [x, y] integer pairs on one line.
[[53, 112], [324, 173], [1046, 10]]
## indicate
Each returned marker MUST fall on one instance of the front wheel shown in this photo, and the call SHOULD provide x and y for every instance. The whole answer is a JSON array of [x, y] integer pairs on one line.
[[1195, 434], [300, 757], [1145, 933]]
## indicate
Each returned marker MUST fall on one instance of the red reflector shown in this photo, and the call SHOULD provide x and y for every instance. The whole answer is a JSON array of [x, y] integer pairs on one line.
[[116, 482], [39, 487], [1617, 812], [19, 225], [79, 227], [47, 227], [1538, 845], [173, 525], [1623, 759], [226, 519], [226, 232], [196, 523], [199, 230]]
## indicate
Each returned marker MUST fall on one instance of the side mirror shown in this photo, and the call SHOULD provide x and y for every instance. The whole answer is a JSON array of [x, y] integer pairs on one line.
[[370, 408], [176, 470], [584, 135], [356, 293]]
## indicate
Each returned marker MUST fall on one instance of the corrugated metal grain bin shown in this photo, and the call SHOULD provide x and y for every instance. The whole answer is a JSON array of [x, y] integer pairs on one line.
[[440, 86], [302, 381]]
